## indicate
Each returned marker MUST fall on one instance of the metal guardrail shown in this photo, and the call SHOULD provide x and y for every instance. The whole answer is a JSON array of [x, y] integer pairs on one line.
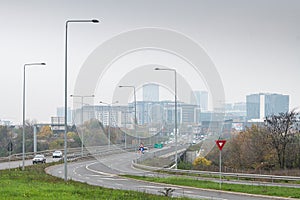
[[72, 152], [239, 175], [136, 163], [165, 152], [28, 155], [209, 173]]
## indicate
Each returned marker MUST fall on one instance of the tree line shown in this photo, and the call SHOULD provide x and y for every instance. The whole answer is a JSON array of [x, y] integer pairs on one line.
[[94, 132], [46, 138], [273, 145]]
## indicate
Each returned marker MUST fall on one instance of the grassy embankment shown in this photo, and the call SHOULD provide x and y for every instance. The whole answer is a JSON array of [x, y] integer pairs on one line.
[[250, 189], [35, 184]]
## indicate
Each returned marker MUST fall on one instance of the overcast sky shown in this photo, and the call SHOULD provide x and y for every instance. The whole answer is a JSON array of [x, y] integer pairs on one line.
[[255, 45]]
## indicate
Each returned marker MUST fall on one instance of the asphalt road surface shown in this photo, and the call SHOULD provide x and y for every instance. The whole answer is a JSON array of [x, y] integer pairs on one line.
[[19, 163], [105, 172]]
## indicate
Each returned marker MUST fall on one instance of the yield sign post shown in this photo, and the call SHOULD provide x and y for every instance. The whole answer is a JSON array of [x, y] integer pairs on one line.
[[220, 144]]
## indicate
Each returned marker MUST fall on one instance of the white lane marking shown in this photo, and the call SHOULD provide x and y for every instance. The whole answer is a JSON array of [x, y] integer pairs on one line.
[[158, 187], [151, 187], [102, 177], [96, 175], [114, 179], [95, 171], [190, 192], [108, 178]]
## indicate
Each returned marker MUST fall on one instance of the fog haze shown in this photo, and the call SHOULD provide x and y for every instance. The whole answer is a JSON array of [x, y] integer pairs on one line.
[[255, 45]]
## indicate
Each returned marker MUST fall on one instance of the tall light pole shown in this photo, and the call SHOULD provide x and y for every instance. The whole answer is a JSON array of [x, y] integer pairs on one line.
[[109, 118], [134, 94], [175, 96], [66, 90], [82, 97], [24, 77]]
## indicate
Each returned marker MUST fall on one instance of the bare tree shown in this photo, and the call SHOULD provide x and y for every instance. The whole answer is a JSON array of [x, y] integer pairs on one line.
[[282, 130], [249, 149]]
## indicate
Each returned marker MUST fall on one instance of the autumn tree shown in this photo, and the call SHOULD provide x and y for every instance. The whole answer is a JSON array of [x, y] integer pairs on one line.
[[57, 144], [93, 132], [45, 132], [282, 131], [201, 162], [249, 149]]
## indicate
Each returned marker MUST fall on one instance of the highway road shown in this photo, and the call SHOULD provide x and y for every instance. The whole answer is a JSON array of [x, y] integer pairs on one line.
[[16, 164], [106, 170]]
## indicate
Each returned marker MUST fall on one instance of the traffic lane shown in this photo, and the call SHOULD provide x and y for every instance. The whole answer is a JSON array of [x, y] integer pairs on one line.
[[81, 172], [19, 163], [179, 190], [121, 163], [124, 166], [95, 173]]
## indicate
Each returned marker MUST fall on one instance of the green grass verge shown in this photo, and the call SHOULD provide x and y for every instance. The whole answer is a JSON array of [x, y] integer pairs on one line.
[[35, 184], [228, 178], [250, 189]]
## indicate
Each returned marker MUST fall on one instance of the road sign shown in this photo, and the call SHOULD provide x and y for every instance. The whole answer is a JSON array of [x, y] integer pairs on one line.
[[10, 146], [158, 145], [220, 144]]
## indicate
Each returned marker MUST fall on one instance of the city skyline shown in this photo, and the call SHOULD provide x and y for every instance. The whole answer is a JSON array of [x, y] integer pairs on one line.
[[255, 109], [253, 45]]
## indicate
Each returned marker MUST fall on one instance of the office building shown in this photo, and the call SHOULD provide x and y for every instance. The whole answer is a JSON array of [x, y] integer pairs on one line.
[[60, 112], [151, 92], [187, 113], [200, 98], [264, 104]]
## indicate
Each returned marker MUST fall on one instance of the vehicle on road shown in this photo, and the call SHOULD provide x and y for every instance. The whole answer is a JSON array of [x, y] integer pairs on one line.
[[146, 149], [57, 154], [39, 158]]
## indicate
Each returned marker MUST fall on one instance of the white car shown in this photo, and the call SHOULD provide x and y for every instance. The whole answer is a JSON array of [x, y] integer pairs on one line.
[[146, 149], [39, 158], [57, 154]]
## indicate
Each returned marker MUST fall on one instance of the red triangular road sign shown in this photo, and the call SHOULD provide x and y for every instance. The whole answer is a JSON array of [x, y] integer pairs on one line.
[[220, 144]]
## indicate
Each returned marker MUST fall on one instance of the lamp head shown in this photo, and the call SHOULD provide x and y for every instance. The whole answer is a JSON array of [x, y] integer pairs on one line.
[[95, 20]]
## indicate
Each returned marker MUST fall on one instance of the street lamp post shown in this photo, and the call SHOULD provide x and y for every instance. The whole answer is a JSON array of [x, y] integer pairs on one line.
[[23, 135], [175, 96], [125, 141], [66, 90], [135, 119], [109, 119], [82, 97]]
